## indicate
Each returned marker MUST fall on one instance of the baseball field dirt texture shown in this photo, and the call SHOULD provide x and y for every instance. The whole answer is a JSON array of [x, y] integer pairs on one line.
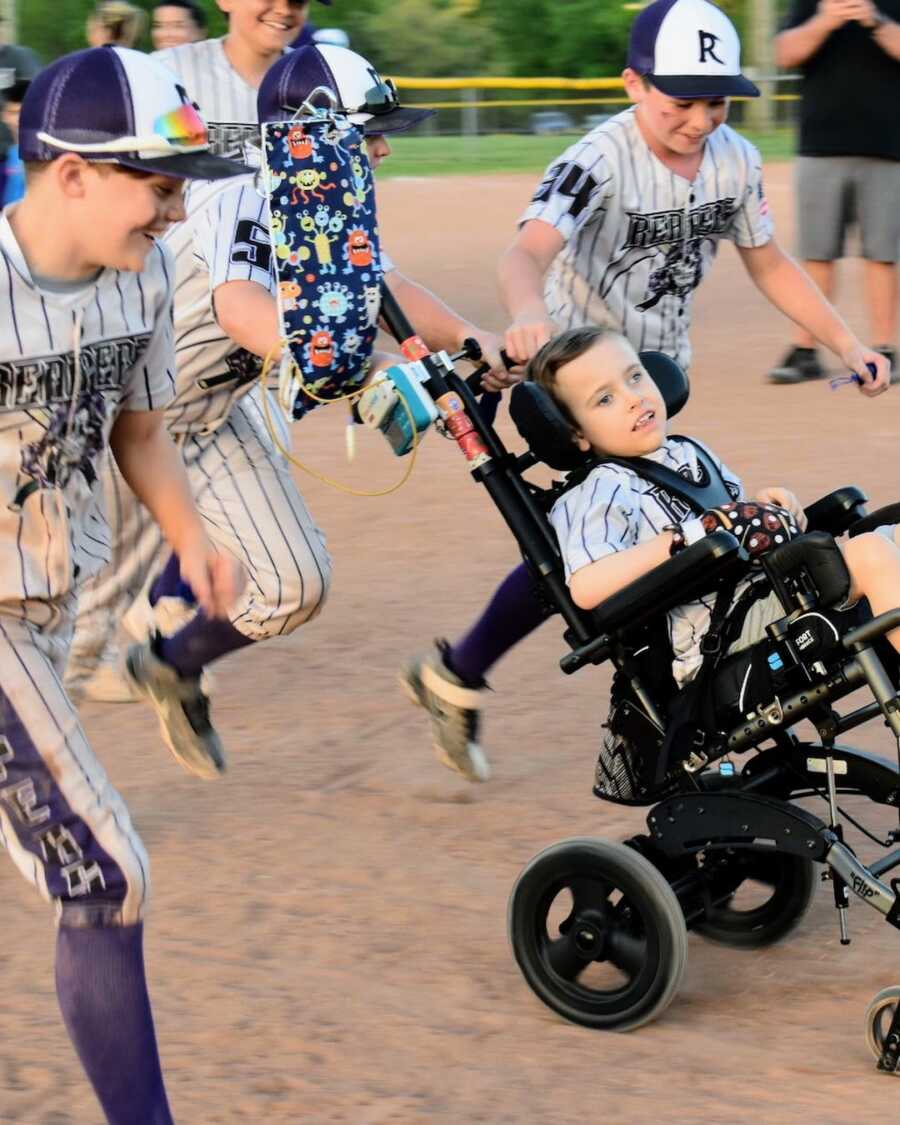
[[327, 940]]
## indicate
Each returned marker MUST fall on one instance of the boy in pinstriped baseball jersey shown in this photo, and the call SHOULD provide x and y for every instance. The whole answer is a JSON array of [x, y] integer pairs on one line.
[[614, 527], [621, 231], [225, 321], [224, 74], [88, 363]]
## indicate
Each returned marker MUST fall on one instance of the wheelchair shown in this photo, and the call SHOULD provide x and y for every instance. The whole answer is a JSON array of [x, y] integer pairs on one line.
[[711, 827]]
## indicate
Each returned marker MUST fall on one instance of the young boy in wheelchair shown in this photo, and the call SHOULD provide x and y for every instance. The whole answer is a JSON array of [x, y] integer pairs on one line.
[[614, 525]]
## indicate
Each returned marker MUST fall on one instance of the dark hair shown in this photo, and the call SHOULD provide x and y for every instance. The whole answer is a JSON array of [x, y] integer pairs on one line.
[[197, 14], [556, 353], [34, 168]]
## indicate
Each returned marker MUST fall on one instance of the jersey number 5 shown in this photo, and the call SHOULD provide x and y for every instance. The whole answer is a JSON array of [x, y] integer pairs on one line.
[[251, 245]]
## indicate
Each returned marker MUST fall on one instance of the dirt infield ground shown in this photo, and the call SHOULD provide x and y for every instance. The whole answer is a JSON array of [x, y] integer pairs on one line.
[[327, 941]]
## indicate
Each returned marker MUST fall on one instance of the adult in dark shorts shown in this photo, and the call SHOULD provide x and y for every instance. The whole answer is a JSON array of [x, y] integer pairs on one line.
[[848, 168]]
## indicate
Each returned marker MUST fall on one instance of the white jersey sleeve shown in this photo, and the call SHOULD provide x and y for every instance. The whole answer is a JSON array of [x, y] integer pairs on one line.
[[225, 237], [597, 518], [150, 385], [231, 238], [752, 224], [575, 189]]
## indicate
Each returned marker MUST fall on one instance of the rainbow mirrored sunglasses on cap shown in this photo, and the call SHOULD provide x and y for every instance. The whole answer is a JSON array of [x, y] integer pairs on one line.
[[180, 130]]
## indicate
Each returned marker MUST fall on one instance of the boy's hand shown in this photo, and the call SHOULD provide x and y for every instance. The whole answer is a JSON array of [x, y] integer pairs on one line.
[[784, 498], [526, 336], [217, 579], [856, 357], [499, 377]]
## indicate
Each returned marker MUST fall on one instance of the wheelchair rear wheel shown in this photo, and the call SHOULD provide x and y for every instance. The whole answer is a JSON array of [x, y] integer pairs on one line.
[[598, 934], [760, 896]]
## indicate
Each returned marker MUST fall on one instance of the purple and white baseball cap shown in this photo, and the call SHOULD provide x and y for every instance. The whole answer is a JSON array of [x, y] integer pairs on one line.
[[369, 100], [689, 49], [116, 105]]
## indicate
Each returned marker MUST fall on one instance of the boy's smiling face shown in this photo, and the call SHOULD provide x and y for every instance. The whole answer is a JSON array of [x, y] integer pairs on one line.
[[679, 126], [265, 25], [616, 406], [126, 214]]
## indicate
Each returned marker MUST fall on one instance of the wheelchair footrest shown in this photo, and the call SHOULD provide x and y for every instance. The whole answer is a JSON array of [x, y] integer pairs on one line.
[[691, 822]]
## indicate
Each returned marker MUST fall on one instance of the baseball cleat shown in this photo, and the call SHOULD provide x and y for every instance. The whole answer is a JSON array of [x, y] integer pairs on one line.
[[182, 709], [455, 711], [799, 365], [143, 621]]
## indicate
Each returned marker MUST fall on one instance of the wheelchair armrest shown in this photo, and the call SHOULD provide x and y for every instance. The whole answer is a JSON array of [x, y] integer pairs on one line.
[[692, 572], [889, 514], [837, 511]]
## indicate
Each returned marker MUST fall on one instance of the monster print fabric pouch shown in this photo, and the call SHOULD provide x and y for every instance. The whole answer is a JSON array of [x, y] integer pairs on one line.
[[326, 250]]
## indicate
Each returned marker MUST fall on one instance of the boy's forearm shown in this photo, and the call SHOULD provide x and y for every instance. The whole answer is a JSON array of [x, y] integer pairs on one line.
[[594, 583], [793, 292], [521, 281], [154, 470], [440, 327]]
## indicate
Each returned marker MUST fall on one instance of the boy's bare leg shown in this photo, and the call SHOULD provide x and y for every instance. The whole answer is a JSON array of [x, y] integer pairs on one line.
[[874, 564], [881, 301]]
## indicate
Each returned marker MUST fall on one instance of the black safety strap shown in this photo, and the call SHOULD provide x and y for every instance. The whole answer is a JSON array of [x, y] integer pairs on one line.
[[709, 492], [684, 719]]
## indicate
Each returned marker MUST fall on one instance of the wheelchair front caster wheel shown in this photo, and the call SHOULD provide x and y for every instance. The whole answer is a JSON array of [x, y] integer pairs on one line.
[[879, 1017], [598, 934]]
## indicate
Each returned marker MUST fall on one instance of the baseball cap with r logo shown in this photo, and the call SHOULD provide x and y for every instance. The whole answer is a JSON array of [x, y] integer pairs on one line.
[[689, 49]]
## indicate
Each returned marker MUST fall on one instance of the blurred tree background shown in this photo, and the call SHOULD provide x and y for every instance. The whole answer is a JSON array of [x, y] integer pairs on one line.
[[574, 38]]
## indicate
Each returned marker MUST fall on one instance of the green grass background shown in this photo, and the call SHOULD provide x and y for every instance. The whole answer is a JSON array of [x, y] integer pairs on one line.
[[466, 156]]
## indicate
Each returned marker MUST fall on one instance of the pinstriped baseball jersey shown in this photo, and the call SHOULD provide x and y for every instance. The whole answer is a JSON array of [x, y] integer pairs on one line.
[[69, 362], [225, 237], [614, 509], [640, 239], [227, 102]]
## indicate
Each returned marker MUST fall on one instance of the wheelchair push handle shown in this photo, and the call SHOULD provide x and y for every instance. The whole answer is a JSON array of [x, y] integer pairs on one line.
[[471, 350]]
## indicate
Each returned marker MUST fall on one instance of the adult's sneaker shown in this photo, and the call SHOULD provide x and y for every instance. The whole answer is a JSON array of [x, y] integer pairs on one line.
[[797, 366], [183, 711], [455, 710]]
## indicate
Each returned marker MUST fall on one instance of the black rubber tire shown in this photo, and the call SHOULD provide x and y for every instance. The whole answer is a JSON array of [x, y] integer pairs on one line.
[[878, 1020], [793, 882], [642, 933]]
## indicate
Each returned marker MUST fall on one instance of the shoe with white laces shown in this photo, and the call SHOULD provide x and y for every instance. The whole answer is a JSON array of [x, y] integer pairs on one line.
[[455, 710], [183, 711]]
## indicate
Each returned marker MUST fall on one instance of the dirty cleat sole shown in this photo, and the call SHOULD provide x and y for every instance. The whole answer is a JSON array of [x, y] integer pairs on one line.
[[455, 712], [182, 710]]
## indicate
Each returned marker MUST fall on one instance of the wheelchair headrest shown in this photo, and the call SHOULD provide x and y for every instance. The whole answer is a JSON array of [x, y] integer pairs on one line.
[[549, 436]]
